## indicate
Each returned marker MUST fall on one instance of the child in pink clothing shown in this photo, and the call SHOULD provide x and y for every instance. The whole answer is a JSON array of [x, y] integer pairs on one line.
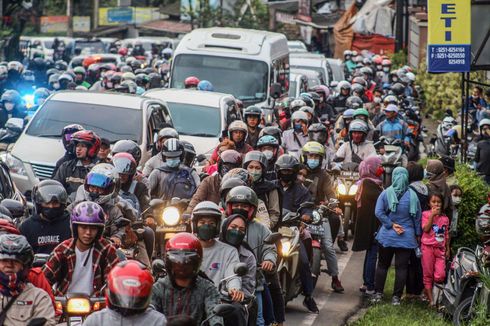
[[435, 244]]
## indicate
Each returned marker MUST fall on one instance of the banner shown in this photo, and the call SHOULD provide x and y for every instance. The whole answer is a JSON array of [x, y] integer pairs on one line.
[[128, 15], [53, 24], [81, 24], [449, 36]]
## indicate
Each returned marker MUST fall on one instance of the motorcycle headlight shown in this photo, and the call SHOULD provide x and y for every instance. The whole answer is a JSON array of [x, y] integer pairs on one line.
[[78, 306], [353, 190], [315, 216], [285, 247], [171, 216], [341, 189], [14, 164]]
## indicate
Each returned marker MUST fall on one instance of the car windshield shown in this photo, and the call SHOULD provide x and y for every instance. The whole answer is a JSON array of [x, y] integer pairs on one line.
[[90, 47], [245, 79], [195, 120], [113, 123], [317, 69]]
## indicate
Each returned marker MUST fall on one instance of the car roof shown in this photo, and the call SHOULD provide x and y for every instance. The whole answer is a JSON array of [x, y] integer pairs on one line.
[[189, 96], [127, 101]]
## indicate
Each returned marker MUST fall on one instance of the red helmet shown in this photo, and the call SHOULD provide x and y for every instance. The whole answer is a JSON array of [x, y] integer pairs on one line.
[[89, 138], [124, 163], [8, 227], [129, 286], [191, 81], [123, 51], [378, 60], [183, 256]]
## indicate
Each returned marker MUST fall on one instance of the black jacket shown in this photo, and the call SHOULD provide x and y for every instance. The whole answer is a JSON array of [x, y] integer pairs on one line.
[[44, 235], [482, 157], [71, 174], [67, 157]]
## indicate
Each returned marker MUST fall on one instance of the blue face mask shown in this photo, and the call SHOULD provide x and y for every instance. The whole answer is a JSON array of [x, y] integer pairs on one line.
[[298, 127], [173, 162], [313, 163]]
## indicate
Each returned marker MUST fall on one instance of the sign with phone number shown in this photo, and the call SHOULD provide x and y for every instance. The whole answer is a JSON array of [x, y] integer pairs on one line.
[[449, 58]]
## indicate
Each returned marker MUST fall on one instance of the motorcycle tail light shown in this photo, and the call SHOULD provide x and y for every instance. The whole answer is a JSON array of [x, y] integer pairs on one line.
[[59, 306], [97, 306], [78, 306]]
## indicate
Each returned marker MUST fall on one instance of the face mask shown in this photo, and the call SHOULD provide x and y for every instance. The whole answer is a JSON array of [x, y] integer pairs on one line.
[[313, 163], [456, 200], [347, 57], [298, 127], [386, 69], [93, 196], [234, 237], [395, 79], [52, 213], [9, 106], [256, 175], [287, 177], [240, 211], [172, 162], [206, 232], [12, 284], [379, 67], [268, 154], [56, 85]]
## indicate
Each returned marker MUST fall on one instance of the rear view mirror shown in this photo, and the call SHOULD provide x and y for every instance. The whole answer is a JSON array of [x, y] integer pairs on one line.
[[273, 238], [240, 269], [275, 91]]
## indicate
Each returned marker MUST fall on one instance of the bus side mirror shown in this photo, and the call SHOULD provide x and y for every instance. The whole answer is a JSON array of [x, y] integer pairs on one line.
[[275, 91]]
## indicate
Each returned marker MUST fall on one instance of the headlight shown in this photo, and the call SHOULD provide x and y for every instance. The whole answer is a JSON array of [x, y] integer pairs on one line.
[[341, 189], [285, 247], [353, 190], [14, 164], [316, 217], [78, 306], [29, 100], [171, 216]]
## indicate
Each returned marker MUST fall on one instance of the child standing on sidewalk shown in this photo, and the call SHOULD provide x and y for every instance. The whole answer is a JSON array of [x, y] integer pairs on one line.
[[435, 244]]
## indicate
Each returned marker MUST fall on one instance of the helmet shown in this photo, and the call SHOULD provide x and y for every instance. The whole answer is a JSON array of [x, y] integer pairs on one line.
[[482, 222], [318, 132], [48, 191], [11, 96], [64, 80], [155, 80], [228, 160], [347, 53], [79, 70], [354, 102], [88, 138], [205, 85], [366, 61], [267, 140], [348, 114], [448, 123], [189, 153], [40, 94], [115, 78], [252, 111], [15, 208], [255, 156], [183, 249], [386, 63], [239, 173], [297, 104], [306, 97], [172, 148], [129, 285], [361, 112], [167, 53], [228, 184], [142, 80], [276, 132], [16, 247], [312, 147], [127, 146], [103, 176], [307, 109], [28, 75], [359, 80], [411, 76], [367, 71], [357, 90], [299, 115], [323, 90], [191, 82], [168, 132], [61, 65], [287, 162], [128, 76], [484, 122], [358, 125], [398, 89], [237, 125], [343, 85], [124, 163], [67, 135], [7, 226], [390, 99], [242, 194], [127, 86], [206, 209], [87, 213], [16, 67]]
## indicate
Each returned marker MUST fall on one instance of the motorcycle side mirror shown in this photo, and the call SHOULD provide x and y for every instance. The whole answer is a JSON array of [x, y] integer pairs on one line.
[[157, 266], [37, 321], [273, 238], [275, 90], [240, 269], [156, 203]]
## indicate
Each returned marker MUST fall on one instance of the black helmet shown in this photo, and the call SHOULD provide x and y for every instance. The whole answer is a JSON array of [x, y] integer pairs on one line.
[[206, 209], [16, 247], [398, 89], [318, 132], [66, 135], [255, 156], [127, 146], [353, 102], [189, 153], [48, 191], [155, 80], [168, 132], [287, 162], [359, 80], [228, 184], [172, 148], [242, 194], [252, 111], [357, 89], [16, 208], [276, 132]]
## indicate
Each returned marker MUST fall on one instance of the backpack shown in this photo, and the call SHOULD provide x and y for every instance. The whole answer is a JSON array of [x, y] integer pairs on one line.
[[130, 197], [180, 184]]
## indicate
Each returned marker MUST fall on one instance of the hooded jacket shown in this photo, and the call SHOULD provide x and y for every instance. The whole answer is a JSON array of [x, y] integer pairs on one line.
[[44, 235]]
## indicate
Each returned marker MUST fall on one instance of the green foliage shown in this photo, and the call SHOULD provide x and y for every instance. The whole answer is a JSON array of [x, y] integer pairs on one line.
[[474, 197], [399, 59], [258, 20]]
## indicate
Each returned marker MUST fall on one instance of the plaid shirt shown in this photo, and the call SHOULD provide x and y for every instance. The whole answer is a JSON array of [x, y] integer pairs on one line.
[[61, 265]]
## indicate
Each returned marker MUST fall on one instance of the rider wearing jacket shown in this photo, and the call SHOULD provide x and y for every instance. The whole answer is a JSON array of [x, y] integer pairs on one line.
[[293, 139], [66, 137], [237, 132], [185, 290], [357, 148], [482, 157], [252, 116], [157, 159]]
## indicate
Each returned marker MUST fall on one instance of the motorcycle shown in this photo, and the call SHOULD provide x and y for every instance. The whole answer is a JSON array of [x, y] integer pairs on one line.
[[10, 133], [77, 307], [240, 269], [391, 158], [133, 234], [346, 192]]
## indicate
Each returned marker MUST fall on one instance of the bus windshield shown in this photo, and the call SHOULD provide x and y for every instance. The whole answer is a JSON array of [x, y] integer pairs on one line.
[[243, 78]]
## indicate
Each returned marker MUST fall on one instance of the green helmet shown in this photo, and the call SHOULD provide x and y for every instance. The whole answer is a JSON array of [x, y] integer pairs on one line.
[[361, 111]]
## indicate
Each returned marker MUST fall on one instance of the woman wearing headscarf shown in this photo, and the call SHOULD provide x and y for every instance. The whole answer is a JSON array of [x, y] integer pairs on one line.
[[437, 183], [398, 210], [370, 187]]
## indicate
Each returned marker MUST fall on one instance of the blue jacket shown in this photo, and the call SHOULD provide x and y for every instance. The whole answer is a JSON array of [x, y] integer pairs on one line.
[[386, 236], [397, 129]]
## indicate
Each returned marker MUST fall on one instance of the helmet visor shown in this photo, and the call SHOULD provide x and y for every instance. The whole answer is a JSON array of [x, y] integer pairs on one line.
[[119, 298], [98, 180]]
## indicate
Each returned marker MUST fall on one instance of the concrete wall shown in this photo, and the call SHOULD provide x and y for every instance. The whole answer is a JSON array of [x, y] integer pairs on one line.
[[417, 39]]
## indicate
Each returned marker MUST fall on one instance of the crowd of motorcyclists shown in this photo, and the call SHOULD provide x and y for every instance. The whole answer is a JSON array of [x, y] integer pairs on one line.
[[102, 201]]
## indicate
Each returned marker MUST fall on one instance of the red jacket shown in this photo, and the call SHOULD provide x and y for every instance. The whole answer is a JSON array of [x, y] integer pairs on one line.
[[37, 278]]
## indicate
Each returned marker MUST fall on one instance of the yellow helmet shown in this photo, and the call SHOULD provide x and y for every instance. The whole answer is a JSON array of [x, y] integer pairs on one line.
[[312, 147]]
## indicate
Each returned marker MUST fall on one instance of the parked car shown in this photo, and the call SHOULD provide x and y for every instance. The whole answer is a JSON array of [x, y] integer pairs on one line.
[[298, 83], [198, 116], [314, 77], [113, 116], [337, 69]]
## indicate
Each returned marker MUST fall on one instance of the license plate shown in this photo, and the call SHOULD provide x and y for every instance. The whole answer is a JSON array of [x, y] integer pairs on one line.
[[172, 229], [349, 174], [286, 232], [76, 320], [316, 229]]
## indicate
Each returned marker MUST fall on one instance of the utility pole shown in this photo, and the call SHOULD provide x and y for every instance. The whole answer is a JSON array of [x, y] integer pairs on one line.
[[399, 25], [69, 13], [95, 14]]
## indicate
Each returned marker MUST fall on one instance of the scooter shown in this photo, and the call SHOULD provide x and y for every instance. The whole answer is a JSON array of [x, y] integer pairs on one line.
[[346, 192], [391, 158], [77, 307]]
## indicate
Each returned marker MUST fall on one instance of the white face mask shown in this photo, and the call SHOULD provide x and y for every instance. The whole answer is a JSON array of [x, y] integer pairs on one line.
[[9, 106], [386, 69], [268, 154], [56, 85], [456, 200]]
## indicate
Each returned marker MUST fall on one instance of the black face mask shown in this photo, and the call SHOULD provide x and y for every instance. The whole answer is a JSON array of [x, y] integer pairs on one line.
[[52, 213], [240, 211], [93, 196], [234, 237], [287, 177], [206, 232]]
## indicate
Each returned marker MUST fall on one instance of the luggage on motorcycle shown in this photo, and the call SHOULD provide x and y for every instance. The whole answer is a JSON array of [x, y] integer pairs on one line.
[[179, 184]]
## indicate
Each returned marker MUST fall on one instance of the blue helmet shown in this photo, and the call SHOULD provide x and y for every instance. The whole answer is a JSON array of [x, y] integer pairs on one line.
[[205, 85]]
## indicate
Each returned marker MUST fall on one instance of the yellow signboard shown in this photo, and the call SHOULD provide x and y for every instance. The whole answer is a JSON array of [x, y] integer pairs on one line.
[[449, 21]]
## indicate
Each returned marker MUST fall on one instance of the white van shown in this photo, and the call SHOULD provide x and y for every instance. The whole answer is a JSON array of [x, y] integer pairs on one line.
[[242, 62]]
